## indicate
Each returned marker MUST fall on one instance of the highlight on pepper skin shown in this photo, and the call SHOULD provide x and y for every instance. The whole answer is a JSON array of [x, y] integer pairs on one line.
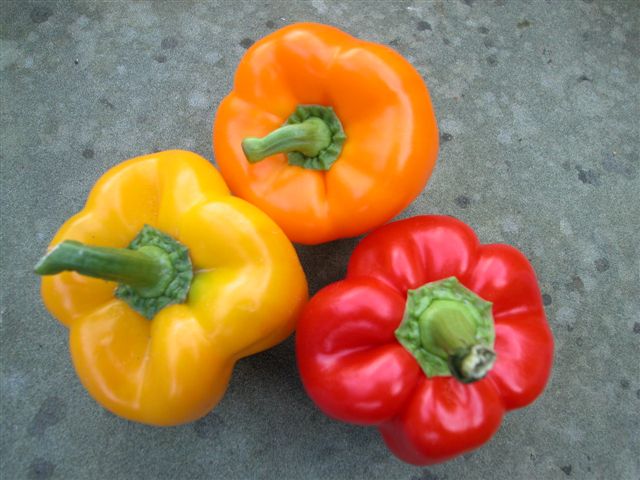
[[165, 281], [330, 135], [431, 337]]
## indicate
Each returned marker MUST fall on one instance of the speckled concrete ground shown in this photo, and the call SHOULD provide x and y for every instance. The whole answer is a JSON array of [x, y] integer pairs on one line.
[[538, 108]]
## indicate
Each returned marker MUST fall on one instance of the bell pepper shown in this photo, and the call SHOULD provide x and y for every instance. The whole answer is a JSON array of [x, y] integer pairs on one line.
[[165, 281], [330, 135], [431, 337]]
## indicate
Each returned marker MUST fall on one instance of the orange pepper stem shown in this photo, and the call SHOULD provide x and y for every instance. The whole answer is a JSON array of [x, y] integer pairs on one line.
[[449, 330], [153, 272], [312, 138], [309, 138]]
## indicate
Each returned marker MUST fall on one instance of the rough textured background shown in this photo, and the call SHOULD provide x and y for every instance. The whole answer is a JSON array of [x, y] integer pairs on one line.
[[538, 108]]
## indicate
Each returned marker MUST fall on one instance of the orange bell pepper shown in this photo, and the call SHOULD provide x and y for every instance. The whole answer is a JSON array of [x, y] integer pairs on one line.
[[349, 133], [195, 281]]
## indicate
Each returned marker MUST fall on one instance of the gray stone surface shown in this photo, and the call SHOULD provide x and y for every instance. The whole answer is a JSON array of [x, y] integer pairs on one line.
[[538, 108]]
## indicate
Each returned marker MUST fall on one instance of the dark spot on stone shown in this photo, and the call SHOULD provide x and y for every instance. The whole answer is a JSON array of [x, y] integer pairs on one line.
[[579, 341], [105, 101], [632, 42], [613, 163], [446, 137], [462, 201], [576, 284], [566, 165], [492, 60], [41, 469], [546, 299], [270, 24], [483, 30], [395, 42], [327, 453], [487, 42], [52, 411], [602, 264], [469, 2], [209, 426], [532, 456], [638, 393], [422, 26], [636, 327], [569, 328], [426, 474], [589, 177], [567, 469], [88, 153], [160, 58], [524, 23], [446, 41], [624, 383], [169, 43], [40, 14], [76, 61], [246, 42], [316, 417], [584, 78]]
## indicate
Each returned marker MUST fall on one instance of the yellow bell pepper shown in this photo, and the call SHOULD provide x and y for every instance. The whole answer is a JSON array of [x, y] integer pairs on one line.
[[203, 279]]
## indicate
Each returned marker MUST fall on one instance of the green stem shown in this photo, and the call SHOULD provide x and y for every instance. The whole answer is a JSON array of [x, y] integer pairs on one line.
[[136, 268], [309, 138], [153, 272], [449, 330], [312, 137]]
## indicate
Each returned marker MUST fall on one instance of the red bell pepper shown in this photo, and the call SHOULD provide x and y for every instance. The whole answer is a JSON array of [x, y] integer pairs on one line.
[[431, 337]]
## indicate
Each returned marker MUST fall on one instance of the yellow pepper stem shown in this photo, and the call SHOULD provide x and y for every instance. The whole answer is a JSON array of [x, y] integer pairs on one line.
[[132, 267], [153, 272]]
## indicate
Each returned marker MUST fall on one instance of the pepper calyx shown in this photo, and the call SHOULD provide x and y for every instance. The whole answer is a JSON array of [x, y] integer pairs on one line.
[[173, 286], [154, 271], [312, 137], [449, 330]]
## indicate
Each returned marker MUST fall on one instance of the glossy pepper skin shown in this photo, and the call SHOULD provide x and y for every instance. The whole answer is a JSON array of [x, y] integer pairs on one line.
[[355, 370], [175, 367], [383, 104]]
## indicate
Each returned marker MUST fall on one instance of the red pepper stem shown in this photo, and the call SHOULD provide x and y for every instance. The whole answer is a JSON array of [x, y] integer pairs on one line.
[[449, 330]]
